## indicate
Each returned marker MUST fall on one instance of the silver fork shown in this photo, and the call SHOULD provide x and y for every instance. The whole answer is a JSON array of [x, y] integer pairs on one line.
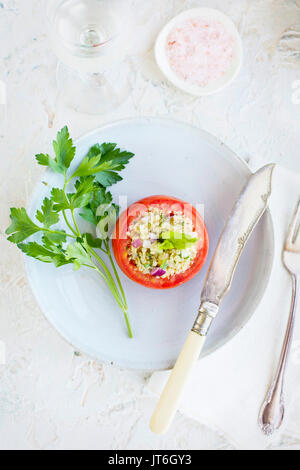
[[272, 411]]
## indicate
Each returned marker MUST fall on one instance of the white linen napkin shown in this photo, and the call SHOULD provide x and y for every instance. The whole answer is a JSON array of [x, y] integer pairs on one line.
[[227, 388]]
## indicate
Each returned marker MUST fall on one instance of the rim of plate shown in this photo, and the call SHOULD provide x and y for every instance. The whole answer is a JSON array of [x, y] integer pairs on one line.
[[267, 274], [163, 63]]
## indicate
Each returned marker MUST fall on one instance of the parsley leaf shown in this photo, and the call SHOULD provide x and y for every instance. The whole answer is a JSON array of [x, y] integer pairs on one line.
[[64, 153], [63, 148], [117, 158], [50, 245], [108, 178], [104, 161], [89, 166], [176, 240], [61, 201], [85, 188], [166, 245], [92, 241], [47, 216], [101, 198], [88, 215], [47, 254], [57, 237], [43, 159], [21, 226], [78, 254]]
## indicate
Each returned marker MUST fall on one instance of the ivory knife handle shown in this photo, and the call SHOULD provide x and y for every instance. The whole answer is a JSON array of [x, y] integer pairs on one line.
[[171, 395]]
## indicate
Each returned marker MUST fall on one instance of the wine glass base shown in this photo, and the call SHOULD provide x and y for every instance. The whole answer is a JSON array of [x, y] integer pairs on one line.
[[93, 93]]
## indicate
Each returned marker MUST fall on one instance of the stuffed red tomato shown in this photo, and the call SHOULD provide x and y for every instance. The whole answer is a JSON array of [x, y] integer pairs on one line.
[[160, 242]]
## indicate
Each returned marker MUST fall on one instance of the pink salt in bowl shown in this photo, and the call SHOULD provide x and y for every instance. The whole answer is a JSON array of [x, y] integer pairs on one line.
[[199, 51]]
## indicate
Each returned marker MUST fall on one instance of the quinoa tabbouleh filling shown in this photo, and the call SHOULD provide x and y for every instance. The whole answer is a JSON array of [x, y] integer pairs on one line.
[[162, 242]]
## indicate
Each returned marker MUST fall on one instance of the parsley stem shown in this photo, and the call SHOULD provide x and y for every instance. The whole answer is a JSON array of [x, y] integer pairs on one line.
[[116, 272], [68, 223], [112, 285], [57, 232], [64, 212], [105, 268], [68, 181], [75, 223], [128, 323]]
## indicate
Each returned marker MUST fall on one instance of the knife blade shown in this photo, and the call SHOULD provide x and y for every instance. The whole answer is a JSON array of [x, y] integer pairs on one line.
[[243, 219]]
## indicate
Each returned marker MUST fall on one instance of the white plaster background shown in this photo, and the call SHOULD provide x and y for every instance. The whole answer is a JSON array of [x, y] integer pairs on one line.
[[52, 397]]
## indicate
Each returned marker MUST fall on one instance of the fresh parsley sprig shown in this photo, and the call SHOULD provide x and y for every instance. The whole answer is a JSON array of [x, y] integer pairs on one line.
[[98, 170]]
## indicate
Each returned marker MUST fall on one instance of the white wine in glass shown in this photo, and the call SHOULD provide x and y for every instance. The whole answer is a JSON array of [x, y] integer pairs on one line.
[[89, 38]]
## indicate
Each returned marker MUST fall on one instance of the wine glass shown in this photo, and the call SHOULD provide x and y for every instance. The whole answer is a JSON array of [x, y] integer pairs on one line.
[[89, 38]]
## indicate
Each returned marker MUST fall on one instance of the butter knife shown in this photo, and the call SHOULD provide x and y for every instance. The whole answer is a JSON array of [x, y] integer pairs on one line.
[[245, 215]]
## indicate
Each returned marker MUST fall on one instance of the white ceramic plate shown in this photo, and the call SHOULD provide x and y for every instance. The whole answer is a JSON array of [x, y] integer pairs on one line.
[[176, 159], [163, 62]]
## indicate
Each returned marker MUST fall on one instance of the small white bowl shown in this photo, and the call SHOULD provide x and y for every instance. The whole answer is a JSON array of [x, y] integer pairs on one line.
[[163, 63]]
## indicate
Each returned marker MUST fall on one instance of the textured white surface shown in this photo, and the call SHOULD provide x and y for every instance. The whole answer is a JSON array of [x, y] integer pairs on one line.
[[51, 397]]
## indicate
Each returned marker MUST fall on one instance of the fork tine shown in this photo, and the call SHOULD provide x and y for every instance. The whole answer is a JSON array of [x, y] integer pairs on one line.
[[294, 228]]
